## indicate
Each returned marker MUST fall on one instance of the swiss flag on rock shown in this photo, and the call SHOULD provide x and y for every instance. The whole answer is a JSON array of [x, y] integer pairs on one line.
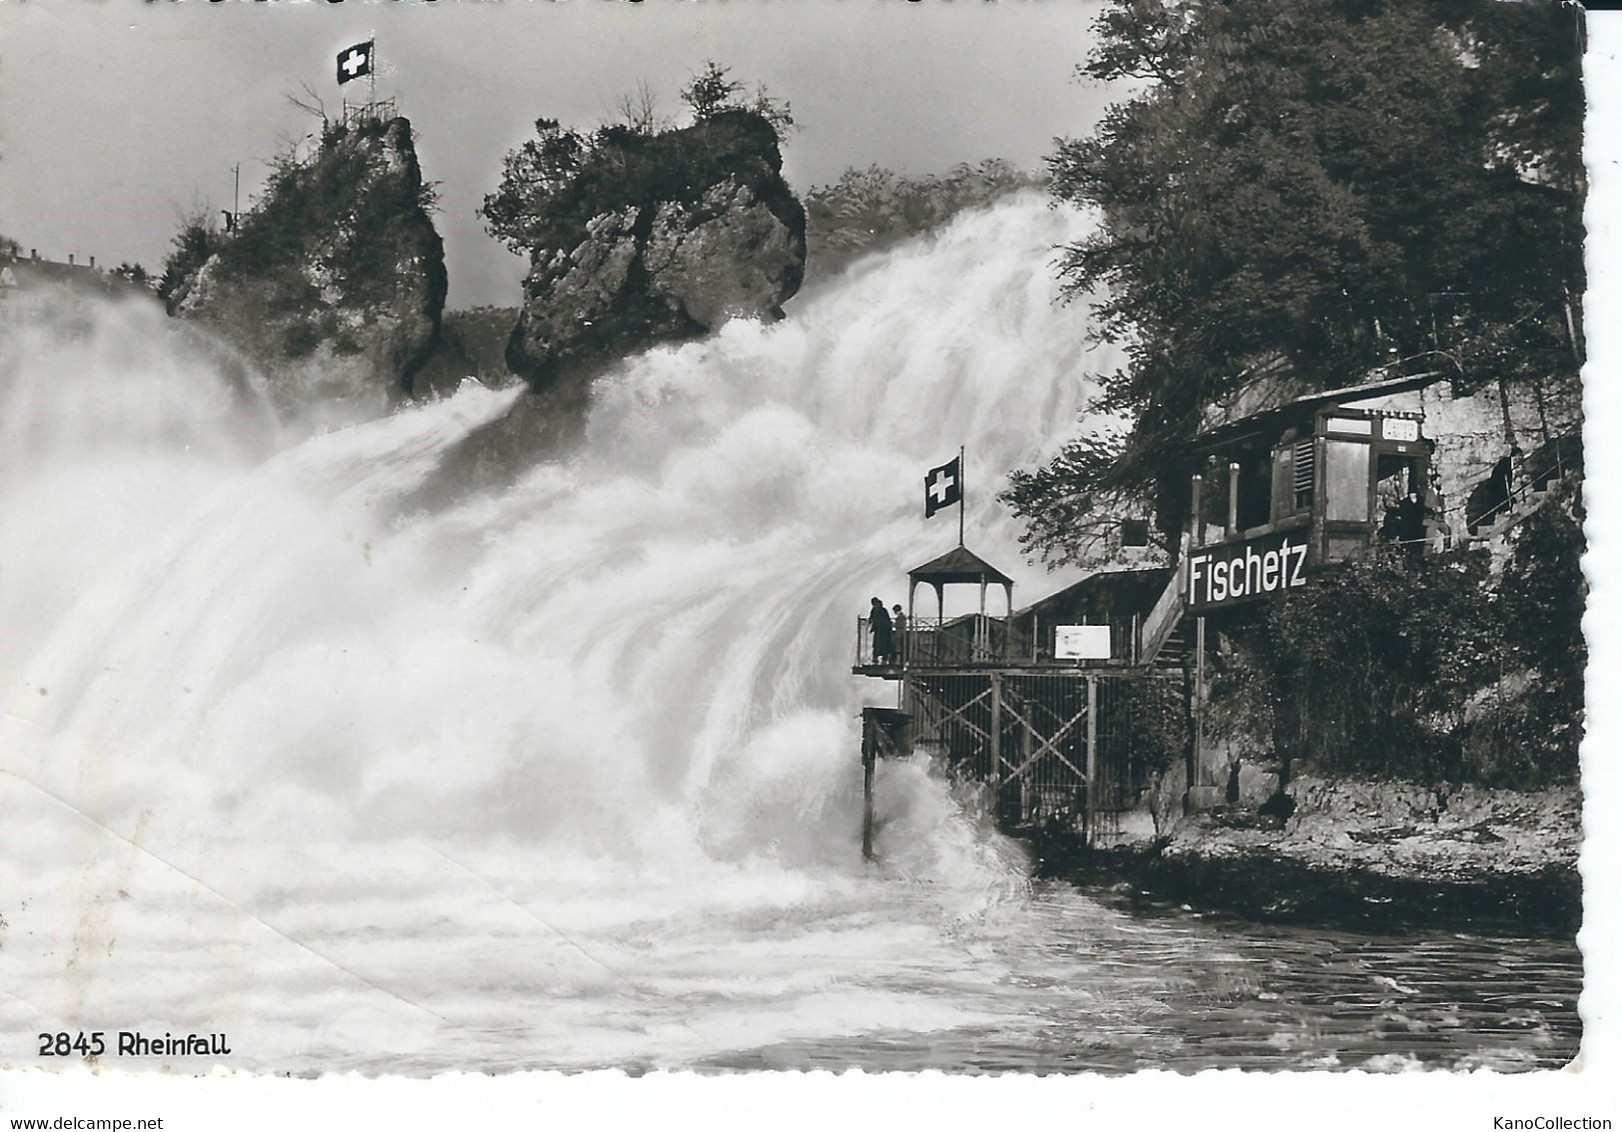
[[353, 62]]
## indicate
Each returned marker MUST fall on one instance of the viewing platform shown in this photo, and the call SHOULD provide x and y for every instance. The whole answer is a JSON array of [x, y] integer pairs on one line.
[[977, 641], [1046, 710], [1065, 714], [1106, 610]]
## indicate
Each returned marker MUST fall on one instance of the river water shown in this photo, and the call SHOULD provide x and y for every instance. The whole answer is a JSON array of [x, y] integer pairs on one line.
[[564, 774]]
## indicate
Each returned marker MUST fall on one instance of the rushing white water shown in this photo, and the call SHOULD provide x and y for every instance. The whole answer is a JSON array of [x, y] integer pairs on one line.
[[563, 775], [614, 695]]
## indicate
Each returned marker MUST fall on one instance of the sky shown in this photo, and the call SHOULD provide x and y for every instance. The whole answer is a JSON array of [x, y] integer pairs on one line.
[[117, 118]]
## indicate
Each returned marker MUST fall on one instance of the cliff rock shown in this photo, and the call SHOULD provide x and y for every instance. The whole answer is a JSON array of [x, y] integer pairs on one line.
[[335, 282], [662, 239]]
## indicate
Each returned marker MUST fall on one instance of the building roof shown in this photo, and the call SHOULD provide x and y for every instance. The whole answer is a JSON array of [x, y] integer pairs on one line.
[[1281, 416], [959, 564], [1102, 596], [19, 275]]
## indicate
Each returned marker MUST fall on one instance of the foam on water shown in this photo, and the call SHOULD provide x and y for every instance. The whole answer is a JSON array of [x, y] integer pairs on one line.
[[641, 652], [591, 734]]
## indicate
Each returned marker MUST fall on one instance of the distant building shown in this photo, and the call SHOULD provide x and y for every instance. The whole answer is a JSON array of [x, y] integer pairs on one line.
[[31, 286]]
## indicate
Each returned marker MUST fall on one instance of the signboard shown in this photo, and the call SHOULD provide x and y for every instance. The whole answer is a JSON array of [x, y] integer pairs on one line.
[[1081, 642], [1356, 426], [1220, 576], [1398, 428]]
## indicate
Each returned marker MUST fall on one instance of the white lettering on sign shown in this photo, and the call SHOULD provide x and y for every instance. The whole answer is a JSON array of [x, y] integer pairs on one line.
[[1225, 574]]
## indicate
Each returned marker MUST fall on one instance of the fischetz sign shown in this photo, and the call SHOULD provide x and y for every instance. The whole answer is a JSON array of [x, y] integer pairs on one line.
[[1232, 573]]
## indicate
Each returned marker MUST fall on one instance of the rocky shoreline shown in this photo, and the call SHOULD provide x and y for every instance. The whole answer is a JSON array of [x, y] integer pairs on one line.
[[1354, 854]]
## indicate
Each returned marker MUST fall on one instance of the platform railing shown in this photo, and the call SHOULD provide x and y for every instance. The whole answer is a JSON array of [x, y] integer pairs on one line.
[[1555, 466], [974, 638], [377, 110]]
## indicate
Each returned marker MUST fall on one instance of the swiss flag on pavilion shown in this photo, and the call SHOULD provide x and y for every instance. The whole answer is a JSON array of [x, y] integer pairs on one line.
[[943, 486], [353, 62]]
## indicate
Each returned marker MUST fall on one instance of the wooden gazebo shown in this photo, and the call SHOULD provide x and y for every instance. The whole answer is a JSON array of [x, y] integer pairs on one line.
[[957, 566]]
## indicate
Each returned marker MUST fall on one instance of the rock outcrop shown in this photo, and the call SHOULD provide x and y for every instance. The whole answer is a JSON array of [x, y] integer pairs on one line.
[[664, 238], [335, 282], [656, 239]]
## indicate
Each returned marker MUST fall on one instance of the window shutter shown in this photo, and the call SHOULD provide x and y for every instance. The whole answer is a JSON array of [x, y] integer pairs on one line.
[[1302, 459]]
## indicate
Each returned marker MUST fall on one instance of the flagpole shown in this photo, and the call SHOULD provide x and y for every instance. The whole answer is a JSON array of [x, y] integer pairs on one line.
[[962, 491]]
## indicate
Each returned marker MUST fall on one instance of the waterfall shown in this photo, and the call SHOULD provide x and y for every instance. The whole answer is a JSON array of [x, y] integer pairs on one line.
[[557, 736]]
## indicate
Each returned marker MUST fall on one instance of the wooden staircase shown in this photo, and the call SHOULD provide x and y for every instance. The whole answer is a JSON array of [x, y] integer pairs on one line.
[[1525, 504], [1175, 649], [1166, 636], [1559, 461]]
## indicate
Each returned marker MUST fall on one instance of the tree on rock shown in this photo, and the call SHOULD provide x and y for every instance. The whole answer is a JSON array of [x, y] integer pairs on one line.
[[640, 235], [191, 248], [710, 92]]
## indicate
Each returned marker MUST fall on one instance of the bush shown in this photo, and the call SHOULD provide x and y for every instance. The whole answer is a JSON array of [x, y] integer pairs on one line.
[[1543, 596], [340, 201], [1370, 670], [710, 93], [1426, 669], [337, 201], [1147, 716], [192, 247]]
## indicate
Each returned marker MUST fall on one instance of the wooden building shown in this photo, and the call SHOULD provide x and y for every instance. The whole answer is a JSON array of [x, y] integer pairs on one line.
[[1055, 739], [1064, 736]]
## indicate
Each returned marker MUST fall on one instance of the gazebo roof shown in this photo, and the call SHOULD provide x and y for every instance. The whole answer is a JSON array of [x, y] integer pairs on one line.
[[958, 565]]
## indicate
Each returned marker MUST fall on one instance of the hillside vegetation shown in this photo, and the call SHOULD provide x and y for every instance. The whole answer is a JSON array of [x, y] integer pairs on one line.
[[869, 210], [1323, 189], [1308, 195]]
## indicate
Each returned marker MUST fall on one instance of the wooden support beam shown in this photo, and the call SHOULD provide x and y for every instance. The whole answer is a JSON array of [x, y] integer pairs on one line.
[[1196, 510], [885, 734], [1196, 779], [1050, 746], [1092, 761], [868, 760], [1026, 737], [1232, 525], [996, 720], [1046, 750], [957, 713]]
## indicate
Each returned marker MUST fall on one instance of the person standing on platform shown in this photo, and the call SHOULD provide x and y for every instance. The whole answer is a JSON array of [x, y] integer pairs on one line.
[[883, 630], [899, 620]]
